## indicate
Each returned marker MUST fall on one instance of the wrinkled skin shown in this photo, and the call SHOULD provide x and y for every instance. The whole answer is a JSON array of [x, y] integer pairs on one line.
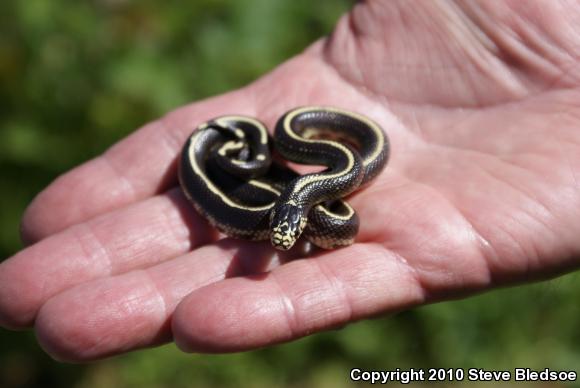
[[482, 106]]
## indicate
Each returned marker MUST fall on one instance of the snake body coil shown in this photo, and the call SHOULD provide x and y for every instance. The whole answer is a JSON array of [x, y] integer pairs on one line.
[[226, 171]]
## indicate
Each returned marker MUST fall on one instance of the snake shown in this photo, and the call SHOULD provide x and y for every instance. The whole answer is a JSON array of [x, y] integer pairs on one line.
[[235, 174]]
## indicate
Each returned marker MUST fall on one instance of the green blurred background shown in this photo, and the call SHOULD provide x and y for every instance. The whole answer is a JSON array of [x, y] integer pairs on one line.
[[77, 76]]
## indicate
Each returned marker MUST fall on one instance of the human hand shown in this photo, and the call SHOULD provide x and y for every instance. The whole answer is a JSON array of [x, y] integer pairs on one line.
[[480, 103]]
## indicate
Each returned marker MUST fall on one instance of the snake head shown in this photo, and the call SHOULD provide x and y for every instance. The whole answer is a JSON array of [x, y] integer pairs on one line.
[[287, 221]]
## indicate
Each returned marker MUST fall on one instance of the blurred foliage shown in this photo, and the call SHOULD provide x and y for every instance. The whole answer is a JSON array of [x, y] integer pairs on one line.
[[77, 76]]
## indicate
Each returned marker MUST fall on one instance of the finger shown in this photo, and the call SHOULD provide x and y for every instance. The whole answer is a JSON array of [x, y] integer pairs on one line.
[[133, 310], [138, 236], [137, 167], [294, 300]]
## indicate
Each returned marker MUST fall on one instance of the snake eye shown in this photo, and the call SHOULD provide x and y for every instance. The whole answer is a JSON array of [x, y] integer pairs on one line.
[[286, 225]]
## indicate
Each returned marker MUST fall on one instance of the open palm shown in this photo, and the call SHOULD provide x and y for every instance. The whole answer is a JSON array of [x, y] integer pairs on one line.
[[481, 104]]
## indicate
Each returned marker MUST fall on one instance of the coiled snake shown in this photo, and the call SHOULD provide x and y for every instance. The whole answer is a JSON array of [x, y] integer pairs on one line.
[[226, 171]]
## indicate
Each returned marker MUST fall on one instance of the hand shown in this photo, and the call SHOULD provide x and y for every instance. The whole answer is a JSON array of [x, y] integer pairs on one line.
[[480, 102]]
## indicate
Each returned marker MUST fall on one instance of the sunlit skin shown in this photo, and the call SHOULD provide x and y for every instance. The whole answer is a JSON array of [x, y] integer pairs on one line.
[[482, 106]]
